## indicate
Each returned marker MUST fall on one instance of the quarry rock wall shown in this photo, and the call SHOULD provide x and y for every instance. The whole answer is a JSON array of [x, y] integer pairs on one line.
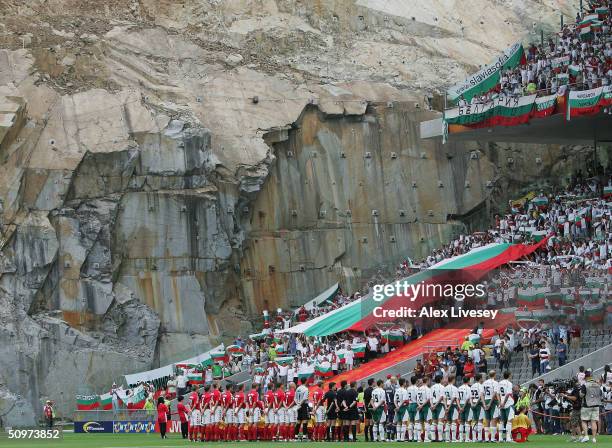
[[168, 170]]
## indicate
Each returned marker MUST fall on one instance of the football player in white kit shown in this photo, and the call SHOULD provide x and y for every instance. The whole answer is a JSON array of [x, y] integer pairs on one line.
[[451, 418], [424, 414], [506, 407], [477, 413], [379, 416], [463, 400], [400, 400], [491, 409], [438, 404], [411, 395]]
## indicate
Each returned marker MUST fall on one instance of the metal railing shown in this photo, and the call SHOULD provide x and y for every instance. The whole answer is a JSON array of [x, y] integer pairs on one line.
[[592, 360]]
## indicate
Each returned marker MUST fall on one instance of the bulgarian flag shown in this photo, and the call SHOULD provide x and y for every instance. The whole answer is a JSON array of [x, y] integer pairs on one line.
[[306, 372], [607, 191], [106, 401], [539, 235], [532, 298], [359, 350], [545, 106], [87, 402], [540, 201], [186, 366], [574, 70], [266, 316], [563, 79], [488, 78], [590, 19], [234, 350], [502, 111], [396, 338], [137, 398], [594, 312], [283, 360], [558, 63], [359, 315], [586, 33], [602, 12], [219, 356], [554, 298], [596, 27], [195, 377], [324, 370], [585, 102]]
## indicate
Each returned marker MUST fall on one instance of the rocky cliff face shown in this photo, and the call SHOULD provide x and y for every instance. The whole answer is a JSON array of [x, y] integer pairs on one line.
[[170, 169]]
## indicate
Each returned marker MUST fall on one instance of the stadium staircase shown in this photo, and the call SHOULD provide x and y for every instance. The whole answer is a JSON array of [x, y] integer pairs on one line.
[[400, 362], [591, 341]]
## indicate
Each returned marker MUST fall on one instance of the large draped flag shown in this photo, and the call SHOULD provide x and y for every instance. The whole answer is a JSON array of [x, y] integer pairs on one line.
[[358, 315], [488, 78], [588, 102], [502, 111]]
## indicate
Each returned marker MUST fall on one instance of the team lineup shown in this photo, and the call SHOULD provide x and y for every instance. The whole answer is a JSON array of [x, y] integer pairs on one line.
[[478, 410]]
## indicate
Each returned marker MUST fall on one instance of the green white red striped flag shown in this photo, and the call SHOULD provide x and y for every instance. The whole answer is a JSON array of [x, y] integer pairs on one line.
[[218, 356], [591, 18], [195, 377], [586, 33], [602, 12], [324, 369], [359, 349], [359, 315], [540, 201], [234, 350], [558, 63], [563, 79], [574, 70], [594, 312], [502, 111], [607, 191], [306, 372], [87, 402], [532, 298], [106, 401], [137, 398], [487, 78], [583, 102], [283, 360], [545, 106], [596, 27]]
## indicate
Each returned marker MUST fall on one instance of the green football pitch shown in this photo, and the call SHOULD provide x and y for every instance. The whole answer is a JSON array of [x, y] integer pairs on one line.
[[153, 440]]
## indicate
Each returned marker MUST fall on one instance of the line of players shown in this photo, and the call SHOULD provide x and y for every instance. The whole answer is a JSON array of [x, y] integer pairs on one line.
[[473, 412], [444, 412], [236, 414]]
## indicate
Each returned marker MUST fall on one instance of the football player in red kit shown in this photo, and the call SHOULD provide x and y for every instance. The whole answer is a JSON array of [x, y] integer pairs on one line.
[[227, 401], [270, 402], [320, 429], [281, 412], [290, 413], [239, 414], [253, 415], [206, 415], [215, 413]]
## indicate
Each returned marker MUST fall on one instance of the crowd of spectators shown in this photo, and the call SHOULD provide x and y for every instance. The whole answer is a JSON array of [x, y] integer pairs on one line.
[[578, 58]]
